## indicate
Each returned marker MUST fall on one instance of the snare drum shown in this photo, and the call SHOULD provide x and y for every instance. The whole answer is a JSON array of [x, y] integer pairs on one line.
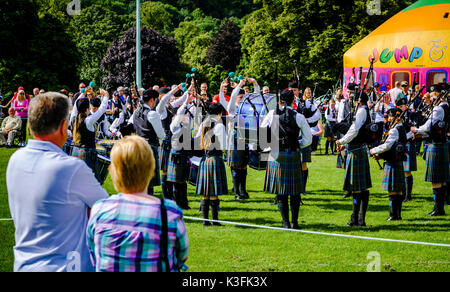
[[194, 164], [107, 145], [258, 160], [101, 171]]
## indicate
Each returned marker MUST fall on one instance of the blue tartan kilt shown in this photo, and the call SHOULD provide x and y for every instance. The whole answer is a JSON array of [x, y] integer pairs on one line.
[[164, 159], [88, 155], [284, 174], [212, 177], [238, 159], [156, 180], [306, 154], [178, 167], [342, 159], [393, 179], [437, 169], [357, 170], [411, 162]]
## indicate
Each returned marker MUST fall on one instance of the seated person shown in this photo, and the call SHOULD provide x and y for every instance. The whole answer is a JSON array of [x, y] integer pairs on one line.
[[11, 126]]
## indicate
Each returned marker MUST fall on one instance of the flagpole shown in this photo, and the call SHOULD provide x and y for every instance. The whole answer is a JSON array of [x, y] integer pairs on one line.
[[138, 45]]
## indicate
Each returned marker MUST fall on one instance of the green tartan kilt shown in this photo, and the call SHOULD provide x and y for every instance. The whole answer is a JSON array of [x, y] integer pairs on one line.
[[212, 177], [357, 170], [437, 169], [393, 179], [284, 174]]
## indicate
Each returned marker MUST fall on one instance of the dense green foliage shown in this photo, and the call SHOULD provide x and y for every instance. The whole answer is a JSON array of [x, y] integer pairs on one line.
[[42, 46]]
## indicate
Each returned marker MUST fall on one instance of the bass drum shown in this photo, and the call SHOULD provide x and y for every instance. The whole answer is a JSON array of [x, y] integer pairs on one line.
[[248, 120], [258, 159]]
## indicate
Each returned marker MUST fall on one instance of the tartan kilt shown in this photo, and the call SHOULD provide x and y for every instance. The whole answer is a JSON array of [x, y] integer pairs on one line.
[[212, 177], [329, 129], [393, 179], [238, 159], [411, 162], [164, 159], [306, 154], [342, 159], [284, 174], [357, 170], [178, 167], [437, 169], [156, 180], [88, 155]]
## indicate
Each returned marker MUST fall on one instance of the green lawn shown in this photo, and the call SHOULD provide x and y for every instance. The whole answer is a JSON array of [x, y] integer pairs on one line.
[[232, 248]]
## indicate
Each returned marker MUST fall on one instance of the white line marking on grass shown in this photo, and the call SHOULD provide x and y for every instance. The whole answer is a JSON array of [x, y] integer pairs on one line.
[[322, 233], [6, 220]]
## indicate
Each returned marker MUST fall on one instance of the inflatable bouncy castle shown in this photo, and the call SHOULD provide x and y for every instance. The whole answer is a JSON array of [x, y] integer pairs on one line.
[[416, 40]]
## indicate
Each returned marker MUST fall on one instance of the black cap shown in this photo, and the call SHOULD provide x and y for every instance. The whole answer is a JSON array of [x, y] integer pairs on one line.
[[352, 86], [393, 112], [435, 88], [401, 101], [293, 84], [362, 97], [164, 90], [96, 102], [287, 97], [150, 94], [215, 109], [82, 105]]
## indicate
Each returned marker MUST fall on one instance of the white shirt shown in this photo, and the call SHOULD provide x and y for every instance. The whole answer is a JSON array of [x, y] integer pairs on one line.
[[305, 130], [390, 141], [394, 93], [331, 114], [49, 196], [91, 119], [437, 116], [317, 115], [219, 131], [161, 109], [181, 125], [361, 116], [155, 119]]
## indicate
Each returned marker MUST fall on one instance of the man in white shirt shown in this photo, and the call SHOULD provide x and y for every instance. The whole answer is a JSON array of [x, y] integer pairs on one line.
[[395, 92], [148, 125], [50, 194]]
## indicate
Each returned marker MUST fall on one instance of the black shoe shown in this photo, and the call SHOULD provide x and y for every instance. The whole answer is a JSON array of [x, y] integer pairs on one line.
[[347, 195]]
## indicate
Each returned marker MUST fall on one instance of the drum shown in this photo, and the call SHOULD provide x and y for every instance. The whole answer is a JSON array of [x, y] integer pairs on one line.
[[194, 165], [67, 148], [106, 146], [101, 170], [248, 120], [102, 150], [258, 160]]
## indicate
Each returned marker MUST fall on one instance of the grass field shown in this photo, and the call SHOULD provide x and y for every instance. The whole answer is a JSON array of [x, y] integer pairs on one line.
[[242, 249]]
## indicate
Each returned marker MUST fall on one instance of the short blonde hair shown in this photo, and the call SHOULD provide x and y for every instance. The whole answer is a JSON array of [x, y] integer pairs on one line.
[[132, 165]]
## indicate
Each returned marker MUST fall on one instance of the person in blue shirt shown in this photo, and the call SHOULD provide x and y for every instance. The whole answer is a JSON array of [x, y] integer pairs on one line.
[[50, 194]]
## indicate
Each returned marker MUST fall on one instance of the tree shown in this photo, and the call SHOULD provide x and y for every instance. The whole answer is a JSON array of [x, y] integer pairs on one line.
[[94, 30], [315, 33], [225, 48], [163, 18], [160, 60]]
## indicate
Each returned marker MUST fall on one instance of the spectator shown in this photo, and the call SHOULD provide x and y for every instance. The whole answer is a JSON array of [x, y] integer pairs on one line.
[[10, 127], [16, 94], [42, 91], [156, 88], [20, 105], [247, 89], [395, 92], [2, 114], [81, 87], [125, 231], [50, 194], [266, 90], [35, 92]]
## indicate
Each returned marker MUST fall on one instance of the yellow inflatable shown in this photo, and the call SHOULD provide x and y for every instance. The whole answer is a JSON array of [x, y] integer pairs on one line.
[[416, 40]]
